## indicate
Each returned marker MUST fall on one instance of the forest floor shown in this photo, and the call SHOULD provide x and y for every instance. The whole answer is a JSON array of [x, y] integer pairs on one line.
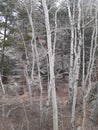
[[17, 112]]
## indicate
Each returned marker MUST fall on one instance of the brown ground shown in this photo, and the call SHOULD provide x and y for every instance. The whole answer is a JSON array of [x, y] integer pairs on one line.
[[19, 114]]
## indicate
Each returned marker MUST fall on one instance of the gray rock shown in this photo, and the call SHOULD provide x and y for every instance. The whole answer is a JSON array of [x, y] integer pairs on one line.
[[94, 112], [92, 100]]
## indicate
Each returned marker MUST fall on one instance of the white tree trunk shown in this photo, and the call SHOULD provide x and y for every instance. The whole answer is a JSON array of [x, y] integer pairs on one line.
[[51, 65], [3, 93], [77, 62], [34, 54], [1, 84], [71, 18], [83, 73]]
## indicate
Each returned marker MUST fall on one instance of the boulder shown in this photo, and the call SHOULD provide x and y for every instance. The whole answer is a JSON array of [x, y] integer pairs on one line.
[[92, 100]]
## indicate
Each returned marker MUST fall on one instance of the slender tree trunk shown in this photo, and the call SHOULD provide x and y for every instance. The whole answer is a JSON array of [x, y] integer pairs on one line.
[[77, 64], [71, 53], [3, 47], [35, 53], [90, 59], [51, 65], [83, 73], [2, 65]]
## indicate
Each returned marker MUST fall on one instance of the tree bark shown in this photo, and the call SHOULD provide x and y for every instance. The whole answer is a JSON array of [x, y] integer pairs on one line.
[[71, 52], [51, 65], [3, 47]]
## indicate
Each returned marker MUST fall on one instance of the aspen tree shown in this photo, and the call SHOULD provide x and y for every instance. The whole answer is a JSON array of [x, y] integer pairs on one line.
[[71, 18], [75, 53], [34, 51], [51, 55]]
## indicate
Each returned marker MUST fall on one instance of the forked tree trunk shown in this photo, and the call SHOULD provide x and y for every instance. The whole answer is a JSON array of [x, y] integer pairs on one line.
[[90, 66], [77, 63], [34, 52], [75, 53], [51, 66]]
